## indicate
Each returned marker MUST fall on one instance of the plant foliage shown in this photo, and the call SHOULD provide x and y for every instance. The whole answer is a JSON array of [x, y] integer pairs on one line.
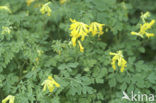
[[35, 43]]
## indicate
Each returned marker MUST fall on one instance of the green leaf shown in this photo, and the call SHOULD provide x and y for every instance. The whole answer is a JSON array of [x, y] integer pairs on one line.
[[73, 65], [123, 86], [141, 49], [152, 78], [112, 82], [99, 80], [130, 88]]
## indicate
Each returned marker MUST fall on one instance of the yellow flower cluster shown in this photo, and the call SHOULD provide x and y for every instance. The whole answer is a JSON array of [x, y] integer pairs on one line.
[[96, 28], [81, 30], [78, 30], [119, 58], [143, 29], [9, 98], [5, 8], [50, 83], [5, 30], [46, 9], [29, 2]]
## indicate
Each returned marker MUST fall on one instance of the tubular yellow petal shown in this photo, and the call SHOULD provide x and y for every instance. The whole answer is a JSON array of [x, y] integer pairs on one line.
[[74, 41], [110, 53], [150, 35], [114, 59], [45, 87], [138, 34], [5, 8], [133, 33], [81, 47], [113, 64], [56, 84], [124, 62], [152, 22], [12, 99], [9, 98], [119, 61], [5, 100], [122, 69], [82, 38]]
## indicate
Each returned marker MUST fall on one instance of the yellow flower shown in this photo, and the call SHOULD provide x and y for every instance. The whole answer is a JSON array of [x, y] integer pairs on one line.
[[9, 98], [96, 28], [78, 30], [74, 41], [46, 9], [149, 35], [5, 8], [81, 47], [119, 58], [143, 30], [50, 83], [146, 26], [145, 16], [63, 1], [29, 2], [5, 30], [81, 30], [138, 34]]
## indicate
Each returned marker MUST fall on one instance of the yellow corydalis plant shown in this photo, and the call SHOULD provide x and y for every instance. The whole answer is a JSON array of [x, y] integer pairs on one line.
[[29, 2], [50, 83], [144, 27], [78, 30], [143, 30], [5, 30], [96, 28], [45, 9], [5, 8], [9, 98], [120, 59]]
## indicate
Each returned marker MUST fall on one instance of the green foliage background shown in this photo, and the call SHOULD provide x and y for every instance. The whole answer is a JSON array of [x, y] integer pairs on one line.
[[84, 77]]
